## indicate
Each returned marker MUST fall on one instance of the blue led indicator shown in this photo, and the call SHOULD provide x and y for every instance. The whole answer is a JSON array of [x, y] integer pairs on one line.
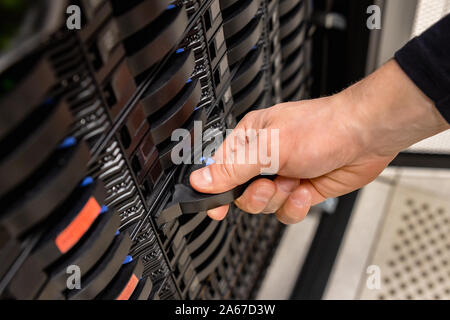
[[104, 209], [171, 6], [67, 143], [117, 232], [189, 80], [180, 50], [87, 181], [128, 259]]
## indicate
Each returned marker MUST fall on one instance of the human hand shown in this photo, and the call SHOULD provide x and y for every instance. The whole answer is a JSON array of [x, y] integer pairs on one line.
[[327, 147]]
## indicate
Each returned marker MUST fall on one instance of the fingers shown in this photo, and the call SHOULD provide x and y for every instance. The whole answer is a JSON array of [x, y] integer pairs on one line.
[[284, 187], [285, 196], [296, 206], [257, 196], [316, 196], [218, 213]]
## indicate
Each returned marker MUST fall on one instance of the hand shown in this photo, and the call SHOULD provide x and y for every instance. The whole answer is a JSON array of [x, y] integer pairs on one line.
[[327, 147]]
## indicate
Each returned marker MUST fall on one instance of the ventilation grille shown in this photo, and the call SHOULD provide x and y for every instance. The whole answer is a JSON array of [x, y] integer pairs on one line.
[[428, 13], [413, 252]]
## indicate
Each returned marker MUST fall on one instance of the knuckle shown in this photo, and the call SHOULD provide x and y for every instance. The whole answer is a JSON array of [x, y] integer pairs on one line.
[[228, 171]]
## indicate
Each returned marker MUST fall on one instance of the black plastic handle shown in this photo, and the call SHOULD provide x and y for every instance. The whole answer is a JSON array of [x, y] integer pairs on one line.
[[186, 200]]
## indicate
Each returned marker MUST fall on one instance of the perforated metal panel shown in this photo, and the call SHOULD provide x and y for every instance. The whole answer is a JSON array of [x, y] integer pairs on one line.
[[439, 144], [413, 250], [428, 13]]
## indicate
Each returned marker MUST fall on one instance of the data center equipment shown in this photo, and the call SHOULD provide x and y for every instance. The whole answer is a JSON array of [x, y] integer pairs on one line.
[[87, 182]]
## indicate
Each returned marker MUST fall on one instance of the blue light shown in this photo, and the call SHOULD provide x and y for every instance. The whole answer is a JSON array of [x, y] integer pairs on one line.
[[104, 209], [189, 80], [180, 50], [67, 143], [87, 181], [210, 161], [171, 6], [128, 259], [117, 232]]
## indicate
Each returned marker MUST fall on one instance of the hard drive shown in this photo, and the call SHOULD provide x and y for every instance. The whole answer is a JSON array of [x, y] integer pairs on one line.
[[292, 19], [134, 129], [177, 112], [30, 92], [224, 4], [236, 18], [105, 270], [30, 145], [133, 17], [46, 191], [292, 83], [85, 255], [144, 158], [293, 41], [220, 251], [77, 214], [171, 81], [244, 99], [143, 289], [287, 5], [242, 42], [124, 283], [293, 63], [248, 69], [118, 89], [9, 251], [165, 154], [150, 44]]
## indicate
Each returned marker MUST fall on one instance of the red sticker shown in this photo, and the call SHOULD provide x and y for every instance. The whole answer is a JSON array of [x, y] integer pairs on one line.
[[78, 227], [129, 288]]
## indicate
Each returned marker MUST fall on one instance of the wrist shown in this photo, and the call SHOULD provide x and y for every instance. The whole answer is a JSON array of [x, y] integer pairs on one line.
[[388, 113]]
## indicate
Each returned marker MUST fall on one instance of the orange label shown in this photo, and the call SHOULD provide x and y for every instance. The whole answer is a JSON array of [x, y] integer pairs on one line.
[[129, 288], [78, 227]]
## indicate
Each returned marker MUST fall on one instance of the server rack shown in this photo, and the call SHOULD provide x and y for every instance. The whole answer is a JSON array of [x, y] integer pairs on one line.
[[85, 142]]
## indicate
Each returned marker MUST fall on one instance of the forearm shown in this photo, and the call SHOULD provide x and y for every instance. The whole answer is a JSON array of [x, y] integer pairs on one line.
[[389, 113]]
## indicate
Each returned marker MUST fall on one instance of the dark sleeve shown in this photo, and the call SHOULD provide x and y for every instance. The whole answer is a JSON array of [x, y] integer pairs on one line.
[[426, 60]]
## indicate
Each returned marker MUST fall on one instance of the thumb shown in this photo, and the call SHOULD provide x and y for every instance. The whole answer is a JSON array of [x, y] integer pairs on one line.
[[232, 165], [218, 178]]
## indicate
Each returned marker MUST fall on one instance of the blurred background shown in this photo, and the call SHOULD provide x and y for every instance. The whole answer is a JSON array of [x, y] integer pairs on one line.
[[400, 223]]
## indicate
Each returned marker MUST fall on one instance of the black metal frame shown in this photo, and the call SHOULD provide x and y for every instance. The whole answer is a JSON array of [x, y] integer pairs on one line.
[[422, 160], [324, 248]]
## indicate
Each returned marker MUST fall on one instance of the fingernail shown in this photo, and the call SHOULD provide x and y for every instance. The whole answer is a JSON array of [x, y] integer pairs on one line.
[[301, 198], [215, 214], [202, 178], [263, 195]]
